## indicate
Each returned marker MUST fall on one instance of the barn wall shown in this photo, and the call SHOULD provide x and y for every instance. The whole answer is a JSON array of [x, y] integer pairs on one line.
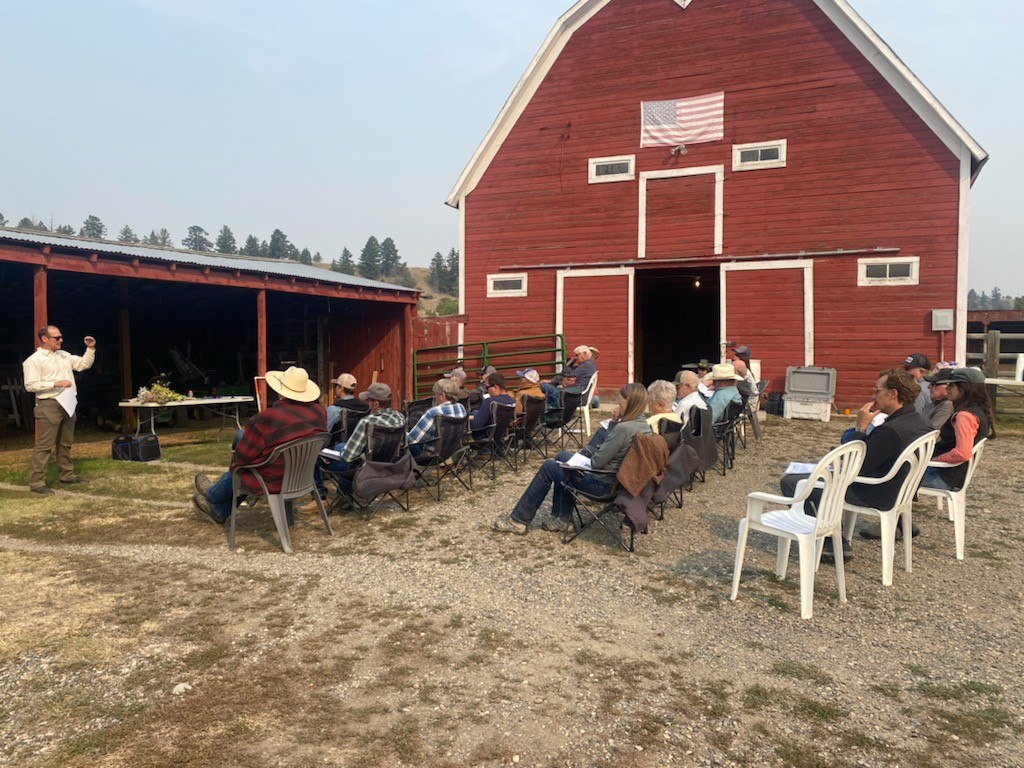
[[863, 170]]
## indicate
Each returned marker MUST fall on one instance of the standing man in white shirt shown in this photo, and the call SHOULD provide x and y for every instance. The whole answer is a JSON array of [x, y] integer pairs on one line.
[[49, 372]]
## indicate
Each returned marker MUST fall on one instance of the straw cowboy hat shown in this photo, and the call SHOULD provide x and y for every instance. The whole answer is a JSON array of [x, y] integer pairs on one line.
[[293, 384], [724, 372]]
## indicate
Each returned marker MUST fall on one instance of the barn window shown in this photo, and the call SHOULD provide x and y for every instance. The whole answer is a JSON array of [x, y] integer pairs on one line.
[[620, 168], [888, 271], [506, 284], [763, 154]]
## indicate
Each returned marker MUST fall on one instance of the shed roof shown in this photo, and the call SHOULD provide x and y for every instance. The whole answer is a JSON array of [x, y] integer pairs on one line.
[[847, 20], [282, 267]]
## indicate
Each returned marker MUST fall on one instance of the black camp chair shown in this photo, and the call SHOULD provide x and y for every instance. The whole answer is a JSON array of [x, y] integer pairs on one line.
[[446, 456], [496, 445], [384, 446]]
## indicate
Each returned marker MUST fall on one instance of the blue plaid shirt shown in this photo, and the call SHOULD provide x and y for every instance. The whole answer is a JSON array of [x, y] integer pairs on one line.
[[424, 429], [354, 447]]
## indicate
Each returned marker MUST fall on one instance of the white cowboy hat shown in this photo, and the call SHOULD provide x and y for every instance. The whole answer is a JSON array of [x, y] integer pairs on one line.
[[293, 384], [724, 371]]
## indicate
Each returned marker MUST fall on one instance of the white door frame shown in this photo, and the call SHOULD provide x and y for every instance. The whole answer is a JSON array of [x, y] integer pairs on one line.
[[645, 176], [629, 273], [807, 265]]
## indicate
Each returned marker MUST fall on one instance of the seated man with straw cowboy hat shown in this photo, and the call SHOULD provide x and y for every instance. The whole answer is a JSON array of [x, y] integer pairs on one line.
[[724, 377], [295, 415]]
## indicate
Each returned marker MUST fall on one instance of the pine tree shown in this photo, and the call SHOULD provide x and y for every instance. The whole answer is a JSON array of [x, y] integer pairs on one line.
[[65, 229], [196, 239], [390, 262], [305, 257], [436, 277], [93, 227], [3, 221], [317, 258], [251, 247], [279, 245], [264, 250], [29, 223], [226, 240], [369, 259], [972, 299], [127, 235], [451, 273], [346, 264]]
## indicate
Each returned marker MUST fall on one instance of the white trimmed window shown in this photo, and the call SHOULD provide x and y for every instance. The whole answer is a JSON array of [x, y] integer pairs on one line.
[[506, 284], [762, 154], [619, 168], [887, 270]]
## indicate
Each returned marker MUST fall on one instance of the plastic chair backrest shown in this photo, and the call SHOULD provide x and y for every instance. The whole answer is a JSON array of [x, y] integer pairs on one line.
[[384, 443], [976, 452], [299, 460], [588, 393], [833, 475]]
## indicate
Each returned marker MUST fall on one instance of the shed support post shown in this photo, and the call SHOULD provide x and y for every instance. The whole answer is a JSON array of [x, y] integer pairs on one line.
[[408, 371], [261, 342], [39, 308]]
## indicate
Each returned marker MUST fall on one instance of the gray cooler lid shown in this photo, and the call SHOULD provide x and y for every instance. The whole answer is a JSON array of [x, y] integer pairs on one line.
[[810, 382]]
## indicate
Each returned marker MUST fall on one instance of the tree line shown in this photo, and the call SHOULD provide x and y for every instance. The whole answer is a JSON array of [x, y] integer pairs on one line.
[[378, 260], [993, 299]]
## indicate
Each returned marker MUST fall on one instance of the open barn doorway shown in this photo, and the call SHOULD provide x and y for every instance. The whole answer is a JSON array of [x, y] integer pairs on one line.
[[677, 320]]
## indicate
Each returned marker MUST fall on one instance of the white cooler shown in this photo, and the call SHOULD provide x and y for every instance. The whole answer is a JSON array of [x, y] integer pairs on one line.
[[810, 391]]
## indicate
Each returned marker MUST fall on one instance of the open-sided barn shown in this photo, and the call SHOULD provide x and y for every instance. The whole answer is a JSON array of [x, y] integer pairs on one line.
[[201, 317], [670, 176]]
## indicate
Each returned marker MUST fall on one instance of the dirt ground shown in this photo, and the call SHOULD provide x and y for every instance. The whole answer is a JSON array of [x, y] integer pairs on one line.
[[130, 636]]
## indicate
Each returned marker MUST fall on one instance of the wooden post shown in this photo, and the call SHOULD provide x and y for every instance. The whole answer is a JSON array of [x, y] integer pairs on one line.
[[261, 341], [125, 343], [40, 313], [992, 354], [407, 344]]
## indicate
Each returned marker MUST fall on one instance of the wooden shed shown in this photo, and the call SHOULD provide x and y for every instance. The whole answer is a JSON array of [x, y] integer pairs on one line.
[[219, 320], [672, 176]]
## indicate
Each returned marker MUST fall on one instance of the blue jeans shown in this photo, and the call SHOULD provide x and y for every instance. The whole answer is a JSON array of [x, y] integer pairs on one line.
[[336, 465], [933, 479], [219, 496], [551, 475], [553, 396]]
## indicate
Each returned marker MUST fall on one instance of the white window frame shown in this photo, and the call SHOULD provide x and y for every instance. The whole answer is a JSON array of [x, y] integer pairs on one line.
[[683, 3], [756, 165], [593, 178], [913, 279], [496, 293]]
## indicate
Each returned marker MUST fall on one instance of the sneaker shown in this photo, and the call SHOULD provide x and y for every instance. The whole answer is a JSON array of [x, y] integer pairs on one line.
[[203, 506], [828, 556], [203, 484], [875, 531], [557, 524], [41, 489], [73, 481], [507, 524]]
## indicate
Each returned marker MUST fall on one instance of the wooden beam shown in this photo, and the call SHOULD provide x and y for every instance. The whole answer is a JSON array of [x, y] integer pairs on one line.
[[40, 313], [187, 273], [261, 342]]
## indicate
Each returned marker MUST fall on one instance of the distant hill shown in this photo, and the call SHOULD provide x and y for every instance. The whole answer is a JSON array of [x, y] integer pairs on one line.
[[428, 296]]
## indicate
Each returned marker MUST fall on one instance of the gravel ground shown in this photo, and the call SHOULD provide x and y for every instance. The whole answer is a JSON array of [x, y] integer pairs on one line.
[[503, 649]]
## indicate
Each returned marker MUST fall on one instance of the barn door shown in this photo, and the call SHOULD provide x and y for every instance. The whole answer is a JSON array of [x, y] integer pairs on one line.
[[769, 306], [595, 307]]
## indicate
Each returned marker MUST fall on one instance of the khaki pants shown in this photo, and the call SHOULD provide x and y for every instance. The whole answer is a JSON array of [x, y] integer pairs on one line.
[[56, 428]]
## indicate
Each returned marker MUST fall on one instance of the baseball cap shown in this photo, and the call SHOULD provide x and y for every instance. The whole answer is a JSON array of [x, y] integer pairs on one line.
[[456, 373], [742, 350], [378, 392], [529, 374], [346, 380], [941, 376], [488, 370], [918, 360]]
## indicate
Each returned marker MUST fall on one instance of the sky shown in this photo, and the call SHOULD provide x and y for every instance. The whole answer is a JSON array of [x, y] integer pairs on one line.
[[334, 120]]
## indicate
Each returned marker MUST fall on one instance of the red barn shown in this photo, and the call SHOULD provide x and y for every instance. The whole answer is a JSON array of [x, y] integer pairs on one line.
[[670, 176]]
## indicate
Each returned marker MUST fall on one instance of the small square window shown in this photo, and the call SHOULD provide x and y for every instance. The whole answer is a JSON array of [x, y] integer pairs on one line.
[[764, 154], [506, 284], [602, 169], [888, 270]]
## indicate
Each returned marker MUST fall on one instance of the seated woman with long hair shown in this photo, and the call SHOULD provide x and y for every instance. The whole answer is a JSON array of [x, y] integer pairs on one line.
[[632, 402], [971, 422]]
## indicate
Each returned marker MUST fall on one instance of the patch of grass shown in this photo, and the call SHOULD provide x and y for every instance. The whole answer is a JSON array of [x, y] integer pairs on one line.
[[889, 690], [493, 639], [960, 692], [820, 711], [662, 596], [980, 726], [800, 671], [204, 658], [777, 602], [757, 697], [918, 671]]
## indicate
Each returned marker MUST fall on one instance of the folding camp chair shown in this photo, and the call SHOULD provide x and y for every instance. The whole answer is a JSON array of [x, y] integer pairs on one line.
[[618, 507], [497, 445], [449, 457], [554, 426], [414, 409], [699, 434], [299, 458], [725, 435], [527, 435], [384, 445], [682, 462]]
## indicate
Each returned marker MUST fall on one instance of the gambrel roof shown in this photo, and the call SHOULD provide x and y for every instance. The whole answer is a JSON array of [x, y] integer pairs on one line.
[[848, 21]]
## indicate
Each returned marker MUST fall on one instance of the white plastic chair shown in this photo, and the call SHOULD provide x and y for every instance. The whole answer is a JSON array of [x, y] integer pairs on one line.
[[832, 476], [588, 395], [956, 500], [915, 456]]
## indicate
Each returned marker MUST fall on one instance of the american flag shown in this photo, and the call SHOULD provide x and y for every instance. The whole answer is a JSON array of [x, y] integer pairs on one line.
[[682, 121]]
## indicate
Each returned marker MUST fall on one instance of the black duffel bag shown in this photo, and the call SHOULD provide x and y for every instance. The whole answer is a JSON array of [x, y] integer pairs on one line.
[[129, 448]]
